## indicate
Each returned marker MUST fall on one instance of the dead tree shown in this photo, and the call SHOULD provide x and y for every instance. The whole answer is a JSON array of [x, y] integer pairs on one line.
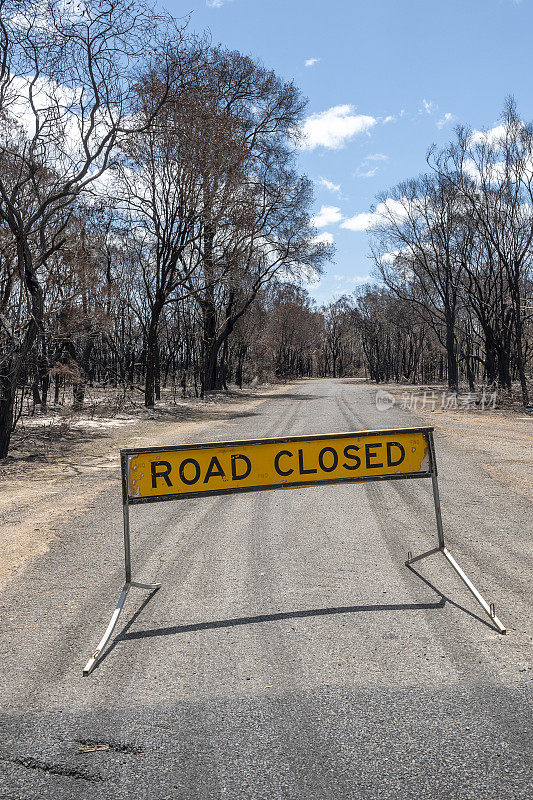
[[67, 93]]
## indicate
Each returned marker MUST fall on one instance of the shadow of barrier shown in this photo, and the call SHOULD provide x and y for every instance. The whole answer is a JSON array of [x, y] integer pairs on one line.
[[172, 473]]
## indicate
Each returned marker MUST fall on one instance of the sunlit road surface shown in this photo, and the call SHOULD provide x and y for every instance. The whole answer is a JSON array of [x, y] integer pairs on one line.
[[290, 653]]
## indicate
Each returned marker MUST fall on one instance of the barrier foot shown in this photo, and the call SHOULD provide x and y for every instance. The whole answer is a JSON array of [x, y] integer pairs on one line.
[[151, 586], [411, 560], [90, 665], [488, 608]]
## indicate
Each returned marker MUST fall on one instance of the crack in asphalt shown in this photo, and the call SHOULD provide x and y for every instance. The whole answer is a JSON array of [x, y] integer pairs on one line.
[[53, 769], [95, 745]]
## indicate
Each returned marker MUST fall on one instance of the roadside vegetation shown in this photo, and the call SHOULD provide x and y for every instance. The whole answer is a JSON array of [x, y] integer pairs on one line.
[[452, 250], [155, 233], [148, 195]]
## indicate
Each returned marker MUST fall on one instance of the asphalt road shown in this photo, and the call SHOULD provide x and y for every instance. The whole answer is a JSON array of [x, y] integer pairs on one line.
[[289, 653]]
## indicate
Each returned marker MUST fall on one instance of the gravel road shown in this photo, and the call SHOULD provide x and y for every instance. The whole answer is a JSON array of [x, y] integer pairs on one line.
[[289, 653]]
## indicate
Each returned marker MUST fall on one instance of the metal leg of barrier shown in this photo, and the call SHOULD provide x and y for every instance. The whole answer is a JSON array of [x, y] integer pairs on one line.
[[436, 501], [151, 586], [411, 560], [109, 630], [90, 665], [488, 608]]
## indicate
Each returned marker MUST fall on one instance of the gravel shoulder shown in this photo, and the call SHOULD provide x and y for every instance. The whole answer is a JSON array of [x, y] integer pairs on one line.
[[502, 439], [60, 465]]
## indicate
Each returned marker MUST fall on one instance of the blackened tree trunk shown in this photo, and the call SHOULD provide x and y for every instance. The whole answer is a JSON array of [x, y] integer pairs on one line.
[[56, 388], [83, 365], [470, 366], [209, 313], [152, 353], [210, 347], [240, 365], [490, 359], [45, 383], [151, 365], [7, 402], [13, 366], [450, 353], [520, 360], [157, 373], [36, 395], [504, 368]]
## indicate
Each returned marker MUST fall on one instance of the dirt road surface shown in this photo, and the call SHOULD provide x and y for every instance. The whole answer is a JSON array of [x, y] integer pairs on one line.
[[289, 653]]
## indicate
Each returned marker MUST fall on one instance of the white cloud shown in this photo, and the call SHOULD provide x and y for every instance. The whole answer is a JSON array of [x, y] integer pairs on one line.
[[390, 118], [388, 258], [445, 120], [329, 185], [368, 220], [352, 279], [492, 136], [325, 237], [334, 127], [495, 172], [39, 15], [360, 222], [57, 109], [470, 169], [328, 215], [311, 62], [428, 106], [369, 173], [54, 102], [217, 3], [307, 274], [365, 170]]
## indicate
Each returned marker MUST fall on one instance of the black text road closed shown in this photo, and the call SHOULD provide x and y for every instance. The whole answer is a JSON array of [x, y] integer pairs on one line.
[[254, 464]]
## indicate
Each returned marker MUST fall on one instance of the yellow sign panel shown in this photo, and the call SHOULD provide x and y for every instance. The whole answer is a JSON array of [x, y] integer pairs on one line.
[[224, 467]]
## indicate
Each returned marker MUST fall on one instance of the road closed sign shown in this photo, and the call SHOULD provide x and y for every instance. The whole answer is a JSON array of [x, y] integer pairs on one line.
[[193, 470], [256, 464]]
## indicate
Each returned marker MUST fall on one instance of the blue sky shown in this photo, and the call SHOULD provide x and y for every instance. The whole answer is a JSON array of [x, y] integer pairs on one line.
[[390, 78]]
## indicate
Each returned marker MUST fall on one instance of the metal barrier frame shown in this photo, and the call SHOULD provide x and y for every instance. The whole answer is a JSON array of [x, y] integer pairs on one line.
[[127, 501]]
